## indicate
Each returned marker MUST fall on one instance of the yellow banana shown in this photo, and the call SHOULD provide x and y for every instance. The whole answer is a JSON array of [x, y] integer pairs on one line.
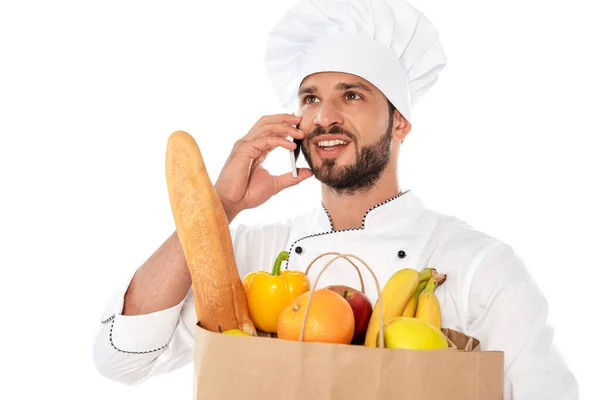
[[428, 307], [411, 307], [395, 294]]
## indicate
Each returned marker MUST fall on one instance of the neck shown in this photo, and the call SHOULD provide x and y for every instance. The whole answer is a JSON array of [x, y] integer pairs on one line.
[[347, 210]]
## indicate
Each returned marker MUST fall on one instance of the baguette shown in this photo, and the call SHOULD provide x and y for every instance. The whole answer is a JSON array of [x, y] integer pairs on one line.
[[203, 230]]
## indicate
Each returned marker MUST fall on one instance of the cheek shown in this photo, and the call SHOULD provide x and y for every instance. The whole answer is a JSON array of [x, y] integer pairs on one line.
[[307, 118], [373, 129]]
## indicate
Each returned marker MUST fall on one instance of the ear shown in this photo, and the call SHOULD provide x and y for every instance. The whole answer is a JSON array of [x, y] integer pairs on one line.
[[401, 127]]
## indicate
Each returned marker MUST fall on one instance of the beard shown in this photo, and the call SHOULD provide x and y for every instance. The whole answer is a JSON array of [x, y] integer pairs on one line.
[[360, 176]]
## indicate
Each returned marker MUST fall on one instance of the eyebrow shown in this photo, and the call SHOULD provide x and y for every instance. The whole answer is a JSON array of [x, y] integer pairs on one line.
[[340, 86]]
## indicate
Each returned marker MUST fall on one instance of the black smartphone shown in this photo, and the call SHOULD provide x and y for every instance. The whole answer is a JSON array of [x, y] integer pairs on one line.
[[294, 156], [297, 149]]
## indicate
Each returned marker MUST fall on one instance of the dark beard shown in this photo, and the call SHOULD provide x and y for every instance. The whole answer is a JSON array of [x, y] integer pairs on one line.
[[358, 177]]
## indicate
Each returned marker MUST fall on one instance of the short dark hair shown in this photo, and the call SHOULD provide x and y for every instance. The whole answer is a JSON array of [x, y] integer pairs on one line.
[[391, 107]]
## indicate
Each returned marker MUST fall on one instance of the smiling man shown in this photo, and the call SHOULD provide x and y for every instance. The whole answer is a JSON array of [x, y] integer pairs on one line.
[[350, 70]]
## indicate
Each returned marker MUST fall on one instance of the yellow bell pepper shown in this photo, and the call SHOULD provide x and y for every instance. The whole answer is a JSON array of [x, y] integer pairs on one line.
[[269, 293]]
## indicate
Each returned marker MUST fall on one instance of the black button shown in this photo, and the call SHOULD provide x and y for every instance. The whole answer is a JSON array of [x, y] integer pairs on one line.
[[298, 249], [401, 254]]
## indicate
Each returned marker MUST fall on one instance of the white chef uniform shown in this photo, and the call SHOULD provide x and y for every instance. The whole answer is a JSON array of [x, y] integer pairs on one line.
[[488, 293]]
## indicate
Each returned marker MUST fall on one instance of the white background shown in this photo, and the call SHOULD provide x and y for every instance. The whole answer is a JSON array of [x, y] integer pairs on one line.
[[89, 92]]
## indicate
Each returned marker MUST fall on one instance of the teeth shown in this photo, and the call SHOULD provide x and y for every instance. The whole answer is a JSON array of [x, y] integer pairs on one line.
[[329, 143]]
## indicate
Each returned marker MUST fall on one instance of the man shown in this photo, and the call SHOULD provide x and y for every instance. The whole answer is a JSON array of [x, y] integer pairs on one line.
[[350, 70]]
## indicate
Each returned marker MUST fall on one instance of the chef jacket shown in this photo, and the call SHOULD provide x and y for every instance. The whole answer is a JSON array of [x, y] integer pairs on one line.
[[488, 294]]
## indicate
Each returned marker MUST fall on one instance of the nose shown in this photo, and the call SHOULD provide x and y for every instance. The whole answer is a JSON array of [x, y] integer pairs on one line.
[[328, 115]]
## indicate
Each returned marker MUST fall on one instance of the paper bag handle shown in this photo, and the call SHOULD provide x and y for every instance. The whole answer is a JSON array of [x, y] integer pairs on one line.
[[312, 290], [362, 283]]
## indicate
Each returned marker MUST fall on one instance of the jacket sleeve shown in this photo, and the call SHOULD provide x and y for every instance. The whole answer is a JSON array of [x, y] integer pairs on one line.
[[132, 348], [508, 312]]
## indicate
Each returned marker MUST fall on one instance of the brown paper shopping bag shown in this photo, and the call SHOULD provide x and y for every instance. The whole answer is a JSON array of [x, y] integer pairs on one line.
[[260, 368]]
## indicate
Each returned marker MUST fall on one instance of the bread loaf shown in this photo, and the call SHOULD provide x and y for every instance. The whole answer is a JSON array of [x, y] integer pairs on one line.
[[203, 231]]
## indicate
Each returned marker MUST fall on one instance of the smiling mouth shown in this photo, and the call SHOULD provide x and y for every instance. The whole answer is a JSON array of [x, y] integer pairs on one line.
[[329, 145], [331, 148]]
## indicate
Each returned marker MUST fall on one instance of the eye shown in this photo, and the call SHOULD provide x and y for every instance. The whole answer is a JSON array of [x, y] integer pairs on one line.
[[310, 96], [353, 94]]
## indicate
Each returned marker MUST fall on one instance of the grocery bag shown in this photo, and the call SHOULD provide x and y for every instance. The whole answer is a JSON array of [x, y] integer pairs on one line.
[[261, 368]]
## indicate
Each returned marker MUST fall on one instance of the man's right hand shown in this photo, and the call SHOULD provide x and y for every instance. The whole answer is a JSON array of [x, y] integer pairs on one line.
[[243, 183]]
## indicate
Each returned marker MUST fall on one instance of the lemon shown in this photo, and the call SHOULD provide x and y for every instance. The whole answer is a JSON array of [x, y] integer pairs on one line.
[[412, 333]]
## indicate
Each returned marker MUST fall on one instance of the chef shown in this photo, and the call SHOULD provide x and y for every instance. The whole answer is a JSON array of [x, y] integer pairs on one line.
[[349, 71]]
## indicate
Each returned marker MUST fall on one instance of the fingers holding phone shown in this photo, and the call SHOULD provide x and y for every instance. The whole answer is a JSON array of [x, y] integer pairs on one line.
[[243, 182]]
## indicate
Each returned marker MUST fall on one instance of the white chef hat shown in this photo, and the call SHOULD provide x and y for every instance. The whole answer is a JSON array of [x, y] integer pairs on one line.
[[387, 42]]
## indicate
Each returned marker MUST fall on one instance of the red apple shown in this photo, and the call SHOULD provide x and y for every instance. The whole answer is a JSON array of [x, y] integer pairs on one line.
[[361, 307]]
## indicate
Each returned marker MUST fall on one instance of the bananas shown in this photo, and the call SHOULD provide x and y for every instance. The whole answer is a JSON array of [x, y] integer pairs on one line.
[[428, 307], [395, 295], [407, 293], [411, 307]]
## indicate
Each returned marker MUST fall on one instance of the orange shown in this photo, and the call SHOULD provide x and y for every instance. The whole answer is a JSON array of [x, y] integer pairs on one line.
[[330, 318]]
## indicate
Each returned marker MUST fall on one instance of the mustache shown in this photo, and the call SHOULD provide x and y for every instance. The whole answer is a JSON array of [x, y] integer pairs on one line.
[[334, 130]]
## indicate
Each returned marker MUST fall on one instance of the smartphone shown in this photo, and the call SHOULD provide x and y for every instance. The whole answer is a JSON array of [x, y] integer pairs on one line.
[[294, 156]]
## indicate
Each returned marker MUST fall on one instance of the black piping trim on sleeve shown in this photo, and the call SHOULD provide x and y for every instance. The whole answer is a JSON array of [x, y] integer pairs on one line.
[[362, 226], [106, 321], [112, 318]]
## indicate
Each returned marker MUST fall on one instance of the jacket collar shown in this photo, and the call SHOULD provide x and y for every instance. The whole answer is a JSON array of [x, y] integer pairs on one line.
[[390, 213]]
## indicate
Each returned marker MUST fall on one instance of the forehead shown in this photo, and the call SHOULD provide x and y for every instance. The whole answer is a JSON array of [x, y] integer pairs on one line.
[[329, 80]]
